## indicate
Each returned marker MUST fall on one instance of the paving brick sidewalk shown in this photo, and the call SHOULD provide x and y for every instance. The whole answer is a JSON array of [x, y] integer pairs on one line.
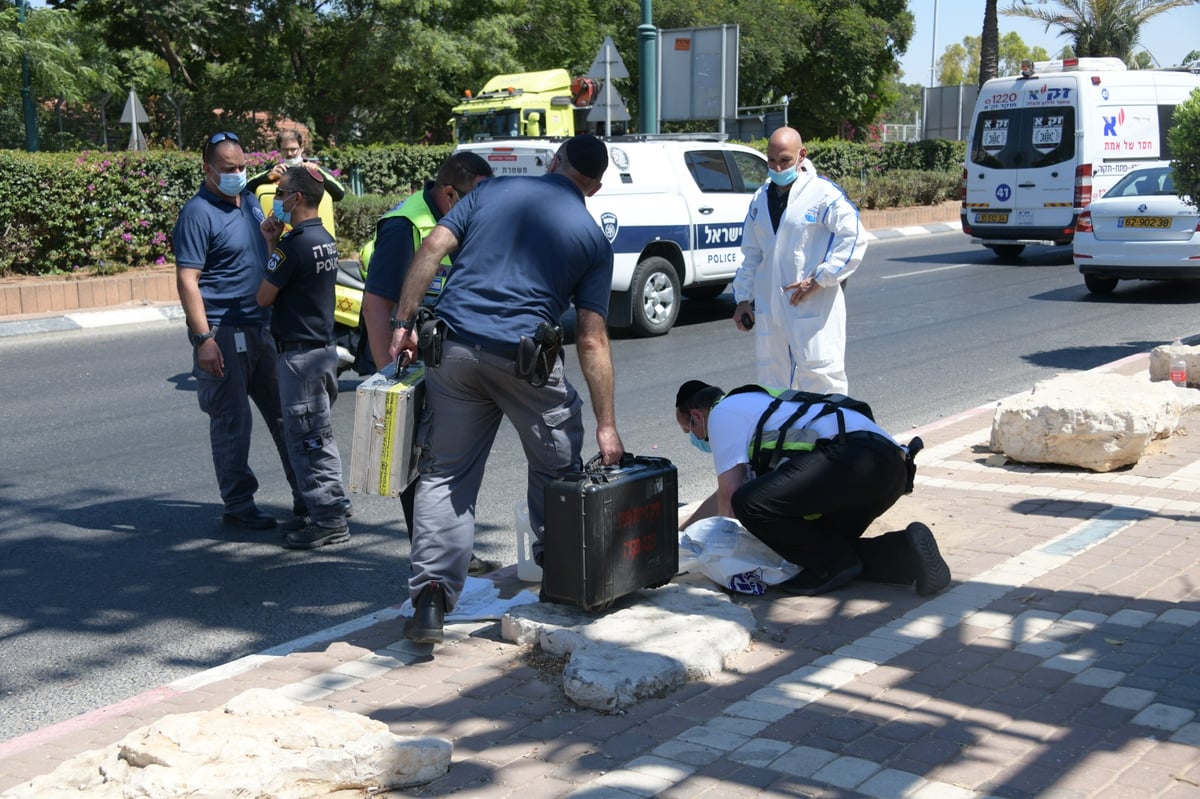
[[1064, 661]]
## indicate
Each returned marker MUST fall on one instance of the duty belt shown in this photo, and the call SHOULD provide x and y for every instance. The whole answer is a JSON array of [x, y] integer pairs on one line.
[[494, 347]]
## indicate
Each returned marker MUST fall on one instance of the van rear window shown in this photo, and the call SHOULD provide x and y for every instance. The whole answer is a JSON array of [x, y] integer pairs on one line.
[[1024, 138]]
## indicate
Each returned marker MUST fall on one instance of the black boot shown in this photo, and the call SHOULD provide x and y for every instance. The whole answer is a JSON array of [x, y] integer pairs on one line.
[[931, 572], [429, 613]]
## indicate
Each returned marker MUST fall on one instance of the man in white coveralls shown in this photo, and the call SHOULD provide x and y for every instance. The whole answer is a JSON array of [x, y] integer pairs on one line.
[[802, 239]]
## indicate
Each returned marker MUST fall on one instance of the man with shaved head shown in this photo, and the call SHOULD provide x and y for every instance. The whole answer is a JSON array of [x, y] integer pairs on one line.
[[801, 240]]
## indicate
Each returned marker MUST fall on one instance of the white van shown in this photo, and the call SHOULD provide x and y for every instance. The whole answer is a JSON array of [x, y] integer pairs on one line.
[[1046, 143], [673, 207]]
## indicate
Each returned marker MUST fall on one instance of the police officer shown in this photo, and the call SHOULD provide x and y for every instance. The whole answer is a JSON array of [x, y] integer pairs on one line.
[[399, 233], [806, 475], [525, 249], [299, 284], [220, 256]]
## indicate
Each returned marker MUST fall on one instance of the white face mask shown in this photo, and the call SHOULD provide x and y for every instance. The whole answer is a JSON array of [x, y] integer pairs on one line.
[[297, 161]]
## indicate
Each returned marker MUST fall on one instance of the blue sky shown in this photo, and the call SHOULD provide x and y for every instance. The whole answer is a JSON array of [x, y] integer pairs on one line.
[[1169, 36]]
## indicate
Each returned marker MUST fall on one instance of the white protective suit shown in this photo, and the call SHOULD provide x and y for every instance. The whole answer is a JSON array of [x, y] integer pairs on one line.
[[820, 234]]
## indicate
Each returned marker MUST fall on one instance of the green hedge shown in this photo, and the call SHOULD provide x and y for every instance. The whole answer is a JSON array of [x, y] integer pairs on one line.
[[841, 160], [106, 212]]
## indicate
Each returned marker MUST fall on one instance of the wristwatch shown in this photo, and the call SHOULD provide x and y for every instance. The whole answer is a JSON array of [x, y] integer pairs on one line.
[[197, 340], [403, 324]]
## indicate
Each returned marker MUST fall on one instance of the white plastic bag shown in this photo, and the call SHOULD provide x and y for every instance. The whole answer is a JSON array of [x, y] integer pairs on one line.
[[726, 553]]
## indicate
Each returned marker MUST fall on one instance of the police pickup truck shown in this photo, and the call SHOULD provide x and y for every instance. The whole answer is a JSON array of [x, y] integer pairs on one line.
[[673, 208]]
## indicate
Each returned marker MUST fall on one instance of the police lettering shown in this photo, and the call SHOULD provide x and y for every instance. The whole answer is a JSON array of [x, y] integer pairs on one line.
[[326, 257], [722, 235], [722, 258]]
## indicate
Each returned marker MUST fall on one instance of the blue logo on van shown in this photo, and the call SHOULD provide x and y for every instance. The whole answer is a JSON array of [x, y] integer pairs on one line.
[[609, 224], [1003, 192]]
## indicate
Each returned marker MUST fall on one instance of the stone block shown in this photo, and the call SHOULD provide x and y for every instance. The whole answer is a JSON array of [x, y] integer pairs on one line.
[[1161, 357], [1094, 421], [258, 744]]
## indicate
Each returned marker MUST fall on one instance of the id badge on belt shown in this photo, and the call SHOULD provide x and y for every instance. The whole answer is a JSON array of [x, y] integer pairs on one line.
[[239, 341]]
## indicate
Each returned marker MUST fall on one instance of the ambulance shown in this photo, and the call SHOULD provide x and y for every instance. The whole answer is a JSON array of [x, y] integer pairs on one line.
[[1046, 143]]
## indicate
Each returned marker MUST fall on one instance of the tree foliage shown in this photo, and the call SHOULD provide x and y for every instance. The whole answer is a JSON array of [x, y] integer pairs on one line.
[[1184, 139], [960, 63], [1097, 27], [359, 71]]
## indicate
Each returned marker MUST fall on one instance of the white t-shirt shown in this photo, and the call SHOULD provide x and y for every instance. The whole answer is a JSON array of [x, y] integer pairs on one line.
[[733, 420]]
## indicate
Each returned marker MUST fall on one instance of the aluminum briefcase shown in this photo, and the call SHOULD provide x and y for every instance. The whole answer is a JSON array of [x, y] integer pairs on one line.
[[610, 530], [383, 457]]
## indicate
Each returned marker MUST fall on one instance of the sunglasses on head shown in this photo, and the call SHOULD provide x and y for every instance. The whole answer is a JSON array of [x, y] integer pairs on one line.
[[226, 135]]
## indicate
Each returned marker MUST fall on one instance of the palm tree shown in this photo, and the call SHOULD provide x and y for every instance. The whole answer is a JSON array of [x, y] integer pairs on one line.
[[989, 44], [1098, 27]]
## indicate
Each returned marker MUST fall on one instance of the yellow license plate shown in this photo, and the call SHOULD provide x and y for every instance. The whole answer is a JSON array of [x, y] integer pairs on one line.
[[991, 219], [1163, 222]]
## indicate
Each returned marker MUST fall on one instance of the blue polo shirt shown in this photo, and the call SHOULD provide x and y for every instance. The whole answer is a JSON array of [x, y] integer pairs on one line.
[[224, 242], [304, 268], [528, 248]]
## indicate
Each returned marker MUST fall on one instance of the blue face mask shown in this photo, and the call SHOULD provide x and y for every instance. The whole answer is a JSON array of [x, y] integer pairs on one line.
[[232, 183], [277, 211], [785, 178], [699, 443]]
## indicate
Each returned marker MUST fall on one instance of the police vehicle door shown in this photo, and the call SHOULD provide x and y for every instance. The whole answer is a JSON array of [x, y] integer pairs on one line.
[[718, 196]]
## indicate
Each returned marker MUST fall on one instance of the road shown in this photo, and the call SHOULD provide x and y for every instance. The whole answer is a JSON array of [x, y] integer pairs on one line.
[[118, 576]]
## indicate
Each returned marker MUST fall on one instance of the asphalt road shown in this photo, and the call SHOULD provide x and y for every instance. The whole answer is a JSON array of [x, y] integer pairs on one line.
[[116, 575]]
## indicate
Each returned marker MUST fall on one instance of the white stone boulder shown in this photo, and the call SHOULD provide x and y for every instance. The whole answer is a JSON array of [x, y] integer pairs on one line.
[[258, 744], [1161, 357], [653, 643], [1095, 421]]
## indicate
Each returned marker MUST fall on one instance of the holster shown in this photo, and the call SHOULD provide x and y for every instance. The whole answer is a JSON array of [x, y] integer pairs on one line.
[[914, 446], [431, 334], [536, 356]]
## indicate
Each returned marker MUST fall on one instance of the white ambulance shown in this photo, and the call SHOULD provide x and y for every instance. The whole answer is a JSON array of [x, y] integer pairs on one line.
[[1046, 143], [673, 207]]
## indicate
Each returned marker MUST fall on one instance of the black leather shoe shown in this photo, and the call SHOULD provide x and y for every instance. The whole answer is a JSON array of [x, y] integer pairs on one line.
[[312, 536], [479, 566], [810, 582], [932, 572], [429, 614], [249, 519]]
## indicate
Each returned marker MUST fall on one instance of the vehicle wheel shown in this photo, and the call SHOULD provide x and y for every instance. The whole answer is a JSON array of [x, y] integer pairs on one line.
[[655, 293], [704, 293], [1007, 252], [1100, 286]]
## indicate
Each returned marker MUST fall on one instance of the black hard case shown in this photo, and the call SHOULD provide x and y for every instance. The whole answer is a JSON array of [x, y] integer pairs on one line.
[[610, 531]]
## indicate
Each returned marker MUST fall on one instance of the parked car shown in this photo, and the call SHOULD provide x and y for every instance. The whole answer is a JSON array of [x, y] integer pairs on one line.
[[1140, 230], [672, 205]]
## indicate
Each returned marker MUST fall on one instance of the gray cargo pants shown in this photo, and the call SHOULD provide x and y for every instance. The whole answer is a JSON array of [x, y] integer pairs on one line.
[[467, 396], [307, 389], [249, 375]]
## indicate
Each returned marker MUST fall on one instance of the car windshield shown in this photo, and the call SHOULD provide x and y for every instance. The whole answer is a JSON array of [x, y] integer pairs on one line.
[[1144, 182]]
